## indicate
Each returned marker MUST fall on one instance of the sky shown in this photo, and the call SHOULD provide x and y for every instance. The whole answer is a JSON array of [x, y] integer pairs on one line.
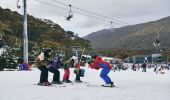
[[120, 12]]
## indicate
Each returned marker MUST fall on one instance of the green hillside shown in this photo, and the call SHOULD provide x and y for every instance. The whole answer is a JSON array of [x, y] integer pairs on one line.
[[42, 32], [139, 36]]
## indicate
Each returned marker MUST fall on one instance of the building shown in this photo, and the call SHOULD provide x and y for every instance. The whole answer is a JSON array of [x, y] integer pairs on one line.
[[156, 58], [142, 59]]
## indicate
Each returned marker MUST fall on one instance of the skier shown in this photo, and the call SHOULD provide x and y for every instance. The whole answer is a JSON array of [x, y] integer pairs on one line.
[[74, 64], [53, 67], [66, 75], [155, 67], [144, 65], [41, 63], [66, 65], [79, 73], [98, 63]]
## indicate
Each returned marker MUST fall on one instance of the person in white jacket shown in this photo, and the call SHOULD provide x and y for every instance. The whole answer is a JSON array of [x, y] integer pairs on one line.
[[41, 62]]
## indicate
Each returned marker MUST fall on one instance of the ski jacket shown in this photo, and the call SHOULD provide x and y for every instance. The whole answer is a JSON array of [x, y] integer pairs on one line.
[[40, 60], [99, 63], [56, 63], [77, 66], [71, 63], [66, 64]]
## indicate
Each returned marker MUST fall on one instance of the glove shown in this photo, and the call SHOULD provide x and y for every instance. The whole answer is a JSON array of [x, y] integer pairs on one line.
[[89, 62]]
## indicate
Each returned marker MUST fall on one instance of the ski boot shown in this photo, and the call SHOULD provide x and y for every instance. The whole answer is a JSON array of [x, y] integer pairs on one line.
[[109, 85], [56, 82], [45, 83], [67, 81], [78, 81]]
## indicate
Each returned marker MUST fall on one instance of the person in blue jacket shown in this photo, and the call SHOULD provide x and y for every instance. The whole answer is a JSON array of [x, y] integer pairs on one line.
[[53, 67]]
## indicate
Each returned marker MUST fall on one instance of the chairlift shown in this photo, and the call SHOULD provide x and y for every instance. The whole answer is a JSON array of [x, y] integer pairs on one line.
[[16, 46], [2, 42], [156, 42], [18, 5], [35, 49], [112, 26], [70, 15]]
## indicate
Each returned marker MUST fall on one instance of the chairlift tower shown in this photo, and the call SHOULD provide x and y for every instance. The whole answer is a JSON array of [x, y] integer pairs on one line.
[[25, 37]]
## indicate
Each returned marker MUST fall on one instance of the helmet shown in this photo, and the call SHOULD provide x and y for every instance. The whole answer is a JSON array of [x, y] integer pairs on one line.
[[46, 50]]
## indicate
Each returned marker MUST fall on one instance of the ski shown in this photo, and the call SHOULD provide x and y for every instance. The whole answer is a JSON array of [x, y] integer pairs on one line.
[[92, 85]]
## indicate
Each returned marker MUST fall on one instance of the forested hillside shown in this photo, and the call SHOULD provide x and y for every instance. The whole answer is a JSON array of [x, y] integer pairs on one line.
[[42, 32]]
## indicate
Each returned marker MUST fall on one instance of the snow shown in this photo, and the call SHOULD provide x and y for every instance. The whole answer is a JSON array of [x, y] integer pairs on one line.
[[2, 50], [131, 85]]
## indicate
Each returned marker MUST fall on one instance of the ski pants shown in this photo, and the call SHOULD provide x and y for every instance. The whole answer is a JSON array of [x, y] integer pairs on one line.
[[44, 74], [56, 72], [66, 74], [78, 74], [104, 76]]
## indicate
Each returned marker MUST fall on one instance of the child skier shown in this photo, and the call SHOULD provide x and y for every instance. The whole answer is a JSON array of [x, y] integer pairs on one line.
[[66, 75], [41, 63], [66, 65], [79, 73], [53, 67], [98, 63]]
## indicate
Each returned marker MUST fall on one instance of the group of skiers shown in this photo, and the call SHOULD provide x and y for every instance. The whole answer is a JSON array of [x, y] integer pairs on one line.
[[43, 63], [157, 67]]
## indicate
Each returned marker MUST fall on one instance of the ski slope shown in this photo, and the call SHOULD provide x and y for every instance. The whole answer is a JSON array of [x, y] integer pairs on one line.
[[20, 85]]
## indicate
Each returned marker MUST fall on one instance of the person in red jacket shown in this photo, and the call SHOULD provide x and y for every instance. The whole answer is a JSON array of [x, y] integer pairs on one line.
[[98, 63]]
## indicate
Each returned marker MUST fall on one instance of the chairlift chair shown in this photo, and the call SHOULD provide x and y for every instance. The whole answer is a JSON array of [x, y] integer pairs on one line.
[[70, 15], [2, 43], [156, 42], [18, 5], [16, 47]]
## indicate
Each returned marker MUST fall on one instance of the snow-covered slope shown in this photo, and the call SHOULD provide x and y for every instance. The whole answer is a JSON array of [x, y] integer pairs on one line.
[[20, 85]]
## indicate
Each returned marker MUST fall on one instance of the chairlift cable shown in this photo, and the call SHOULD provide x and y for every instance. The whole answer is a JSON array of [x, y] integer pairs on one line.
[[51, 4], [91, 12], [75, 11]]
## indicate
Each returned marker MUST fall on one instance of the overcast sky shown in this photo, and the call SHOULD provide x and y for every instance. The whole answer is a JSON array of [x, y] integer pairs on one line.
[[128, 11]]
